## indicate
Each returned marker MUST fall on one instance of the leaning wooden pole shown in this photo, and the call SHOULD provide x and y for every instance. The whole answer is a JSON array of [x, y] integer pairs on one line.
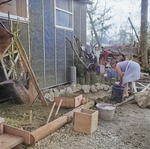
[[77, 54], [49, 128], [26, 62]]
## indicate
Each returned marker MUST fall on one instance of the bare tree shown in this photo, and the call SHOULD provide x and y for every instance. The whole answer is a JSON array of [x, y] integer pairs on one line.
[[97, 21], [143, 36]]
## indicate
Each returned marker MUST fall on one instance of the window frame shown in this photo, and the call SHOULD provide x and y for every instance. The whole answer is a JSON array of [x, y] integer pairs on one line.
[[65, 11], [16, 18]]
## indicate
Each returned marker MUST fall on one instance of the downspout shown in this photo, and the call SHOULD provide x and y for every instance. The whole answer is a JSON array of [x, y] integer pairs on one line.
[[43, 43]]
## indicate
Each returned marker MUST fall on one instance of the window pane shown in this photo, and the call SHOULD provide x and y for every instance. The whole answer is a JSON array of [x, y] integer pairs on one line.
[[64, 4], [63, 19]]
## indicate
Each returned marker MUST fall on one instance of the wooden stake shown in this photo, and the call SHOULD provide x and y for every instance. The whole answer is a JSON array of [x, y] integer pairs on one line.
[[30, 116], [128, 99], [51, 112], [58, 107]]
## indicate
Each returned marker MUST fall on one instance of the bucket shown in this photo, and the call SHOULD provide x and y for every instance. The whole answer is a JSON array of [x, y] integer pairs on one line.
[[106, 111], [100, 69], [117, 92]]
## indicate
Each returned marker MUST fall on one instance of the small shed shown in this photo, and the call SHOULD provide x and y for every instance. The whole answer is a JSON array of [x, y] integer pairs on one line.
[[44, 26]]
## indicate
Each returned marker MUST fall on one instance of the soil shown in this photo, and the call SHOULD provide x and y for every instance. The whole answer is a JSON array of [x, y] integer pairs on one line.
[[129, 128]]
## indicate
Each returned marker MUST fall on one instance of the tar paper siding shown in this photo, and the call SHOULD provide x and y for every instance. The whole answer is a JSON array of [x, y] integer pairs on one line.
[[51, 55]]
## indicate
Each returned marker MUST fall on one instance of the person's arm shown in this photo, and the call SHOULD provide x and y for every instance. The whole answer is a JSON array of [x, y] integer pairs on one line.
[[120, 74]]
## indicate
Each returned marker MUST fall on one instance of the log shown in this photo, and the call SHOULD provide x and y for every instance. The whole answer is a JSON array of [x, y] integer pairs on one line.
[[49, 128]]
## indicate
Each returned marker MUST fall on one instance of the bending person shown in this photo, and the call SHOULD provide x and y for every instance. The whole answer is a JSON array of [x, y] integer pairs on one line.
[[128, 72]]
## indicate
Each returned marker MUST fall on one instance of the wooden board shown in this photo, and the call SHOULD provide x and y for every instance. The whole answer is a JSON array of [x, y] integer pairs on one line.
[[8, 141]]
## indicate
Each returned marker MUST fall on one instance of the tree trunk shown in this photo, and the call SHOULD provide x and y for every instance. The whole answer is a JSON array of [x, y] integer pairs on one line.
[[143, 37]]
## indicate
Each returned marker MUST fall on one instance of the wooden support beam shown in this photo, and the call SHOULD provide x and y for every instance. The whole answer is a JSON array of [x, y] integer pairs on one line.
[[26, 62], [13, 65], [6, 49]]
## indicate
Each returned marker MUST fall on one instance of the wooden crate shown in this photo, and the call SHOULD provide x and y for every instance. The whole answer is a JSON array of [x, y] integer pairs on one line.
[[69, 102], [85, 120]]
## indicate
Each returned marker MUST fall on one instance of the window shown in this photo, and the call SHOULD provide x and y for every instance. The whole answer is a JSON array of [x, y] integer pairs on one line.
[[64, 13]]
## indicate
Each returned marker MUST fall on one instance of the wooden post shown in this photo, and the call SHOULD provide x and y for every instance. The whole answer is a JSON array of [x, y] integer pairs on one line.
[[30, 116], [143, 34], [51, 112], [2, 120], [58, 107]]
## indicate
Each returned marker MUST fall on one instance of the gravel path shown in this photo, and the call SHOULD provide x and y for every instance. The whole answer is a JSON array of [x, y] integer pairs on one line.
[[129, 129]]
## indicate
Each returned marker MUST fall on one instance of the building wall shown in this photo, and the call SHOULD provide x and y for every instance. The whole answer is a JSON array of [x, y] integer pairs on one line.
[[50, 54]]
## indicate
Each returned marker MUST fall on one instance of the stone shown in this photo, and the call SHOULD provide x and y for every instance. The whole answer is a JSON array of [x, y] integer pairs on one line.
[[69, 90], [93, 88], [86, 88]]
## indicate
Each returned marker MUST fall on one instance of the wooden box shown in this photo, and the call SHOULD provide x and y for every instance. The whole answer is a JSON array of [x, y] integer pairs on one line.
[[69, 102], [85, 120]]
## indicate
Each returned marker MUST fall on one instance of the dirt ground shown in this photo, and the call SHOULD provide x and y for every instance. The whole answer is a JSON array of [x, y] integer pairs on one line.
[[130, 127]]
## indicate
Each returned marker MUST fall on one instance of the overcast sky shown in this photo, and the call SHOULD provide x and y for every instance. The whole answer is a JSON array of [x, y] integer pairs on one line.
[[122, 9]]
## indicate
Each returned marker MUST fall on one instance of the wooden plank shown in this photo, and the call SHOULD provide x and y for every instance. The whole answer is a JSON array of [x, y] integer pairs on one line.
[[10, 142], [3, 137], [18, 132]]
